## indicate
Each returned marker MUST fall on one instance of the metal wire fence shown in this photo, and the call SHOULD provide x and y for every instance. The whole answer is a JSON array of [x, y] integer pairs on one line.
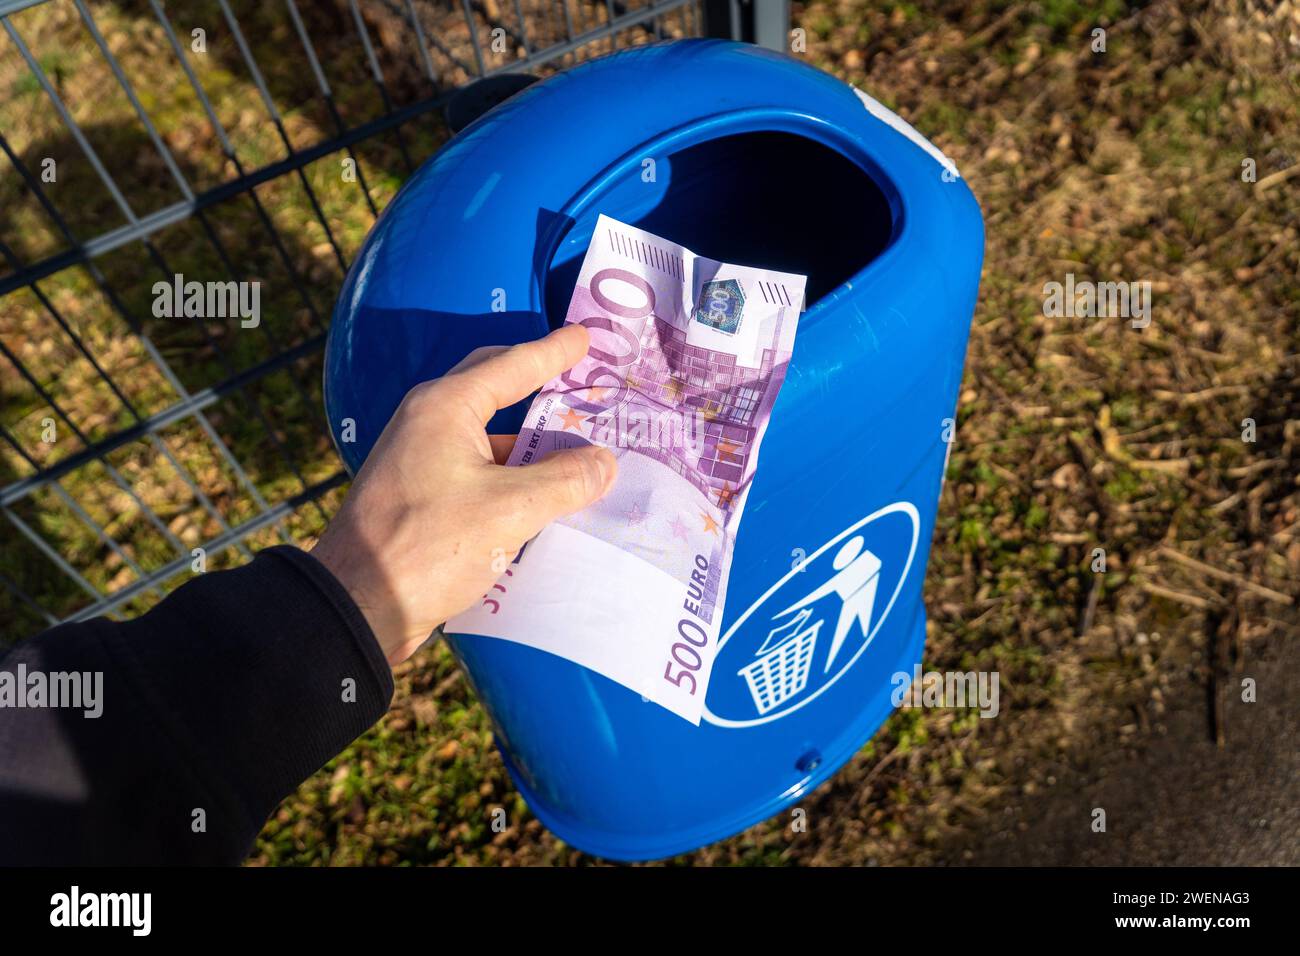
[[150, 144]]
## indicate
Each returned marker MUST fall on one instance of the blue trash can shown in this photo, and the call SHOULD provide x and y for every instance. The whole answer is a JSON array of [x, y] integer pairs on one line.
[[747, 156]]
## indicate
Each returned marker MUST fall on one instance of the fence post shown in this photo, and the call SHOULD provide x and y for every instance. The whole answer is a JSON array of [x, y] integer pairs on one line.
[[772, 24], [764, 22]]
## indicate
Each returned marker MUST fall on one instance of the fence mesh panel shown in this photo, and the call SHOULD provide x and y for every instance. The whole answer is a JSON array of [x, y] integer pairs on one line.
[[149, 143]]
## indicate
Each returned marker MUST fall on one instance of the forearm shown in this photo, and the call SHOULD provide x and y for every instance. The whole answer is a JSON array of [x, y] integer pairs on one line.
[[214, 706]]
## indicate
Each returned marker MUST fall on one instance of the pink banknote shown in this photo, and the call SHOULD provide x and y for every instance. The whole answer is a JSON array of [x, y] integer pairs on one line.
[[686, 359]]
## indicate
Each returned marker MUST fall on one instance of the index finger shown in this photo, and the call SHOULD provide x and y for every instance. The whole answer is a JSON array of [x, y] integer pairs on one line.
[[506, 377]]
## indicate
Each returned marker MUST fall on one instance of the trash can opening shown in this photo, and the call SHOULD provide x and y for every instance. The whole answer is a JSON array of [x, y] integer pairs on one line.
[[772, 200]]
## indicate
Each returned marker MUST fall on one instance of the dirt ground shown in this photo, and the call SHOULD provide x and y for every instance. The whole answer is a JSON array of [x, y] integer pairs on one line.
[[1176, 799]]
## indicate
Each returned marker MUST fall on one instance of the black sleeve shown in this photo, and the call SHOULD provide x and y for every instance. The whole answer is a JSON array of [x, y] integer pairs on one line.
[[213, 707]]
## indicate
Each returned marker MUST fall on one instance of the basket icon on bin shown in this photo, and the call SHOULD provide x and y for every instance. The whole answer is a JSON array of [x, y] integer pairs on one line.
[[780, 668]]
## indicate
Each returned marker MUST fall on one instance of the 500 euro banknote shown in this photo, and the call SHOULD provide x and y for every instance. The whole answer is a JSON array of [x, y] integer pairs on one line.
[[686, 358]]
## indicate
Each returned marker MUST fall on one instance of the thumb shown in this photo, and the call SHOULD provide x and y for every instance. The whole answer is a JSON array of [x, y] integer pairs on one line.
[[566, 481]]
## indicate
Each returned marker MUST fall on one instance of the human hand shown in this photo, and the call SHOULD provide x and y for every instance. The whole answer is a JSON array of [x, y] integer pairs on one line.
[[433, 517]]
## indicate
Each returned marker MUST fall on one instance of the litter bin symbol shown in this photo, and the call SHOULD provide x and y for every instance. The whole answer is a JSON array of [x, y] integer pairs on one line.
[[785, 658], [783, 663], [763, 160]]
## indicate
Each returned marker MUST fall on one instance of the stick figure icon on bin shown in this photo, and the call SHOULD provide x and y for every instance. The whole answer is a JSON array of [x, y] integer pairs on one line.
[[746, 156]]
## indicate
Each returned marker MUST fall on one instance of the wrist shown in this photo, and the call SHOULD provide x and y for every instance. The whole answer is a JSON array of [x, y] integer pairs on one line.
[[352, 571]]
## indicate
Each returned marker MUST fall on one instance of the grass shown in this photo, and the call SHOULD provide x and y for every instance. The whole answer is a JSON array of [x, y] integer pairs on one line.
[[1073, 434]]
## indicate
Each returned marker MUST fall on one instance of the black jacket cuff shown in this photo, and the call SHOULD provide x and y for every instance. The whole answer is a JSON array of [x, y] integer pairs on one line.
[[222, 699]]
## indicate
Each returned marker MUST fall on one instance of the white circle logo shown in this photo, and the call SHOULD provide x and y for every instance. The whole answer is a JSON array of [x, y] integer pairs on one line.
[[810, 627]]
